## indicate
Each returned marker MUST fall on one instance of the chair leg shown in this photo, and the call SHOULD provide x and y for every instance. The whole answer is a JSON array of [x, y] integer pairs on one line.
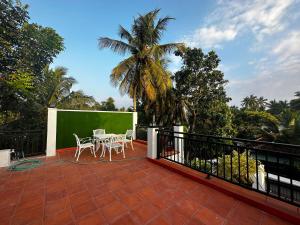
[[110, 154], [132, 145], [76, 152], [79, 152], [123, 151], [102, 150], [94, 151]]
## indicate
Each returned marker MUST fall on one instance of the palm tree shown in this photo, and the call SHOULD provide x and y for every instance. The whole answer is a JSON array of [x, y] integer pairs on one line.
[[143, 72], [57, 85], [276, 108], [77, 100], [295, 103], [254, 103], [262, 103]]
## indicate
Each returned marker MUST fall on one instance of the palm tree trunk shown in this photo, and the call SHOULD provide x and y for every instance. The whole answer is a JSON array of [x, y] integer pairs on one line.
[[134, 101]]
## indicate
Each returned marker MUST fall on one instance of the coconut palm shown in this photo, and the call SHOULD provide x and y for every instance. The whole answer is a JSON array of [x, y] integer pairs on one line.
[[254, 103], [57, 85], [277, 107], [143, 72], [295, 103], [77, 100]]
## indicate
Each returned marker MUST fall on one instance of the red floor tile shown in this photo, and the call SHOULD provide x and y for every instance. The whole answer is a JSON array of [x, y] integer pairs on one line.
[[131, 200], [61, 218], [28, 215], [94, 218], [114, 210], [80, 198], [145, 213], [125, 220], [54, 207], [104, 199], [174, 215], [6, 214], [207, 217], [160, 220], [83, 209]]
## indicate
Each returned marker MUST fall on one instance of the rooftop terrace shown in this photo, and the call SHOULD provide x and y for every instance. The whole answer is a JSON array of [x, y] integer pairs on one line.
[[130, 191]]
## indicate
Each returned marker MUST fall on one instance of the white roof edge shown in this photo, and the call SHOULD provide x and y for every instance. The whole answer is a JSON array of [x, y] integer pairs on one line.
[[76, 110]]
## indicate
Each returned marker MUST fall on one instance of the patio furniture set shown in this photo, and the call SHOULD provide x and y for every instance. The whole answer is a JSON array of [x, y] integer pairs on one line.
[[106, 142]]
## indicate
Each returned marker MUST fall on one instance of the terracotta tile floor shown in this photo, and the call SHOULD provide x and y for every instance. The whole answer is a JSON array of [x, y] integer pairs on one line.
[[132, 191]]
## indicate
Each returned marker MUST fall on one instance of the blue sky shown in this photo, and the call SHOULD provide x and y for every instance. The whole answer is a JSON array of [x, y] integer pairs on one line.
[[258, 41]]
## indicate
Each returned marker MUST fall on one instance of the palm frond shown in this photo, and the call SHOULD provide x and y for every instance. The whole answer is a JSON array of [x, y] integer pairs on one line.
[[160, 27], [124, 34], [115, 45], [118, 72]]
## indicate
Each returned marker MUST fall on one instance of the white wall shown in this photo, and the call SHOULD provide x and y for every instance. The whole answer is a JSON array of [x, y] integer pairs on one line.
[[51, 132], [4, 157], [152, 143], [134, 123]]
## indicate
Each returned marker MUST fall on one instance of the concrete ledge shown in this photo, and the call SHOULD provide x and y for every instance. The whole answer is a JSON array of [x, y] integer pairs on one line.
[[270, 205], [140, 141], [4, 157]]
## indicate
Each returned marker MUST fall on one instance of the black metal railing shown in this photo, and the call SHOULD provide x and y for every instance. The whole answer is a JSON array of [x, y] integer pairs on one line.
[[269, 168], [24, 143]]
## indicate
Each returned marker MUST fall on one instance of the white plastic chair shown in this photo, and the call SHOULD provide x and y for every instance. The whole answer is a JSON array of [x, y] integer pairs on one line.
[[82, 144], [128, 138], [115, 142], [99, 137], [98, 132]]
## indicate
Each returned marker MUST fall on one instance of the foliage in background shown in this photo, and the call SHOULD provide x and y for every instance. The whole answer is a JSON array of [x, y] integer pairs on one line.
[[201, 85], [225, 162], [276, 121]]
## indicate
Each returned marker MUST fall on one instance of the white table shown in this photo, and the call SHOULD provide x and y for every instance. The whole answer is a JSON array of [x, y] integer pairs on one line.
[[100, 138]]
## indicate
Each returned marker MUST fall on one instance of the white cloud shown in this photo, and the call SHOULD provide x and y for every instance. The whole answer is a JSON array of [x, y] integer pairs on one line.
[[289, 47], [210, 36], [233, 18], [175, 64], [277, 73], [271, 86]]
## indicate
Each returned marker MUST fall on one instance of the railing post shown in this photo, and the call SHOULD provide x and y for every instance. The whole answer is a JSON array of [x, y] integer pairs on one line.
[[178, 142], [152, 142], [51, 132], [134, 124]]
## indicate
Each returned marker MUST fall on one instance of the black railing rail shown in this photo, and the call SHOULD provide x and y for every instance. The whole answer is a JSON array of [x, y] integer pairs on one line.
[[24, 142], [141, 130], [269, 168]]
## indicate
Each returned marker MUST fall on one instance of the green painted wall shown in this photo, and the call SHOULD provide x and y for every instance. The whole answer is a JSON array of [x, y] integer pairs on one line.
[[83, 124]]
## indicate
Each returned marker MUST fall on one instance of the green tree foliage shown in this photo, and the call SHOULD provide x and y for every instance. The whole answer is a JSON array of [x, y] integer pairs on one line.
[[280, 123], [13, 15], [239, 163], [295, 103], [143, 72], [277, 107], [77, 100], [202, 86], [108, 105]]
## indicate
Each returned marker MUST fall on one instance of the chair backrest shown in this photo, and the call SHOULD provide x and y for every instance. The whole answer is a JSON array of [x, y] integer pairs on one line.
[[98, 131], [129, 134], [77, 139], [114, 139]]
